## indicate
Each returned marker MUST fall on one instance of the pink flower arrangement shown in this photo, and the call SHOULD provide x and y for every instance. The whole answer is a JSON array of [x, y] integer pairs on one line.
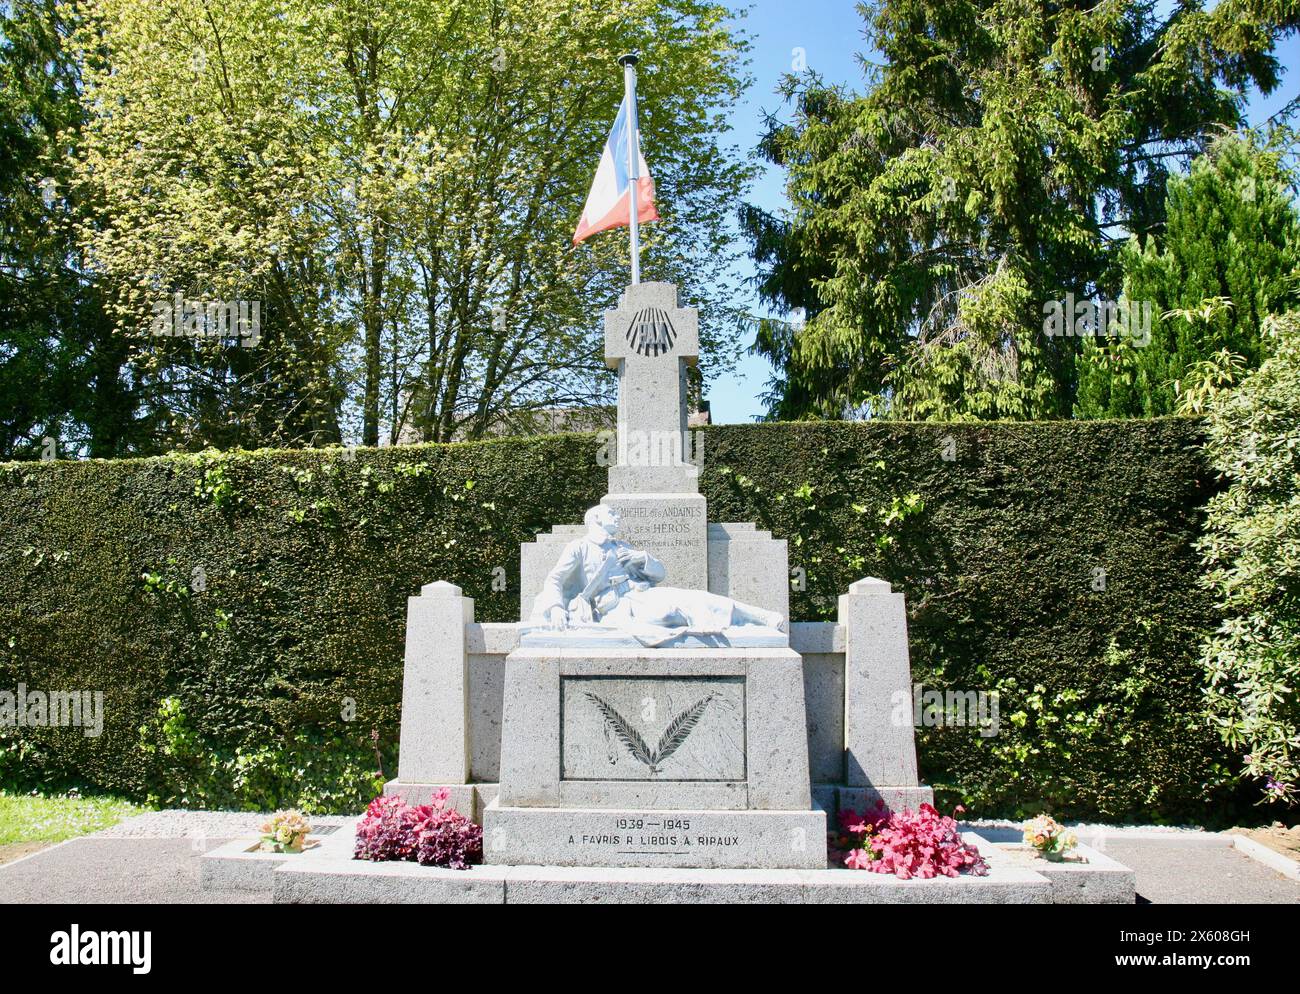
[[851, 845], [285, 831], [1049, 838], [906, 843], [431, 834], [859, 859]]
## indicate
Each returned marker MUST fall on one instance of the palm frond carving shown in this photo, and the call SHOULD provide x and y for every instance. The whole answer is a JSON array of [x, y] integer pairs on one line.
[[680, 727], [674, 735], [628, 735]]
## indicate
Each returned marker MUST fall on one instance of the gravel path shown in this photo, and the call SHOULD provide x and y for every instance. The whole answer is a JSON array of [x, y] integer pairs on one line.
[[98, 870], [180, 824], [1000, 830]]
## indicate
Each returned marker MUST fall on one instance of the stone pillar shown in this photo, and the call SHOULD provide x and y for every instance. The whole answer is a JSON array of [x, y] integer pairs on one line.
[[435, 688], [651, 340], [530, 730], [879, 750]]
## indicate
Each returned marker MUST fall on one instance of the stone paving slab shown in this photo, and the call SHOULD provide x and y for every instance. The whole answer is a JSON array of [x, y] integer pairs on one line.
[[1091, 877], [559, 885], [241, 865]]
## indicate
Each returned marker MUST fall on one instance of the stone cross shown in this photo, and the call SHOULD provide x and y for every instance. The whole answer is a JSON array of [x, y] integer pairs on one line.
[[651, 340], [653, 475]]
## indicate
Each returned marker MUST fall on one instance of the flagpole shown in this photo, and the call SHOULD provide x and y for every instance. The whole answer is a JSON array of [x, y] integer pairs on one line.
[[628, 62]]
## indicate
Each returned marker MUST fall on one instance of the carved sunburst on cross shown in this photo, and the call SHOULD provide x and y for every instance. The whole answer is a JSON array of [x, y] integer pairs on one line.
[[651, 333]]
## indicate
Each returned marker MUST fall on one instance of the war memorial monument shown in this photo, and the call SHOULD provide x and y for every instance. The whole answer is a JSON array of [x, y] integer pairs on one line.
[[655, 727]]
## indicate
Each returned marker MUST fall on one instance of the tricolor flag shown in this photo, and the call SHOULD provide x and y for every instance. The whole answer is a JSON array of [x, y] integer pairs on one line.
[[607, 203]]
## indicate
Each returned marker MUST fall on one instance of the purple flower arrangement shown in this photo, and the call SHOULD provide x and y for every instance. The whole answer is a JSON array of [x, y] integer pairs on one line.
[[430, 834]]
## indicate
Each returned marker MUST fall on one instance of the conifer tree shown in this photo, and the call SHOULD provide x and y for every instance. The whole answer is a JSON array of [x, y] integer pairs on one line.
[[1226, 261], [998, 158]]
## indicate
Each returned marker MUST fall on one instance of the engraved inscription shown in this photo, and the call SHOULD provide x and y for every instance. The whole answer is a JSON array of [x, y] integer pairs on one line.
[[653, 836], [659, 527]]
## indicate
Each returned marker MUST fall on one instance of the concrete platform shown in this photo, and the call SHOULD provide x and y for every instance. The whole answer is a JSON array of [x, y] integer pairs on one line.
[[328, 875], [354, 881], [155, 858], [240, 865], [1091, 877]]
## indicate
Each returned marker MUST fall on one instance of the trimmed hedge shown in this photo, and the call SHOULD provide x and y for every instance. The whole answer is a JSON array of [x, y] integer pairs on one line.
[[244, 613]]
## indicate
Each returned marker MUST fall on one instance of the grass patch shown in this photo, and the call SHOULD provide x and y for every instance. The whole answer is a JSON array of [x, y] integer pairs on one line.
[[27, 818]]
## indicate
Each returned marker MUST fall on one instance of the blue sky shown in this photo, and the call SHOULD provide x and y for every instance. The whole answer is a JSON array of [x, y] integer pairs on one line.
[[829, 32]]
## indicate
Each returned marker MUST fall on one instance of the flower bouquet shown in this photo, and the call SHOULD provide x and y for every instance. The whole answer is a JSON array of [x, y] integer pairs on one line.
[[433, 834], [1049, 838], [286, 831]]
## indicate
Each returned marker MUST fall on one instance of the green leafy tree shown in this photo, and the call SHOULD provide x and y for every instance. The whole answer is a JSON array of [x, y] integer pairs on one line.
[[1252, 554], [64, 388], [998, 160], [398, 184], [1224, 263]]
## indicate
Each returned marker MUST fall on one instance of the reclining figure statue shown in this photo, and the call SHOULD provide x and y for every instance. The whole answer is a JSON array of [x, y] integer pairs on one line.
[[601, 580]]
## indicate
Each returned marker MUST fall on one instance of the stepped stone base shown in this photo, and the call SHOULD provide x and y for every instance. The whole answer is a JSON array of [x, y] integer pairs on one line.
[[327, 875], [409, 883]]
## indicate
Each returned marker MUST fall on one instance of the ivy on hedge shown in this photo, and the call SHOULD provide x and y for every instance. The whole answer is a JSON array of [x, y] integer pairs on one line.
[[244, 612]]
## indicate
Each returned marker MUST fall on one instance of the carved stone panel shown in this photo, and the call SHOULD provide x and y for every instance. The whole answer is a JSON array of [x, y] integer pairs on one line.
[[660, 728]]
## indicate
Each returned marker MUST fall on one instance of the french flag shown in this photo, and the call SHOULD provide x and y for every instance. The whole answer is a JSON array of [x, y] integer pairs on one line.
[[607, 203]]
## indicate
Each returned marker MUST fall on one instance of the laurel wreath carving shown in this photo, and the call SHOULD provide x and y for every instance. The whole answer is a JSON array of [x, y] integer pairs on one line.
[[678, 730]]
